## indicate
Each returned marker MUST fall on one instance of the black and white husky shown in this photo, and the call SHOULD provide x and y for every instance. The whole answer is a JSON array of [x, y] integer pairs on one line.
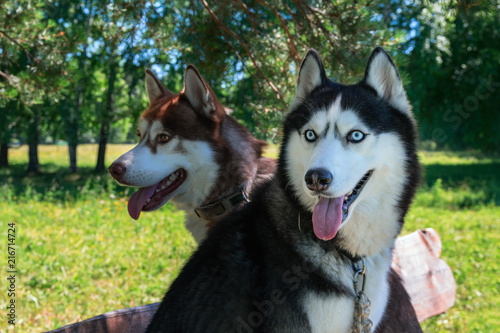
[[346, 176]]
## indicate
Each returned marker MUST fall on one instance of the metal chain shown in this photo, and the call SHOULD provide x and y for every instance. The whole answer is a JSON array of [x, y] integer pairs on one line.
[[362, 322]]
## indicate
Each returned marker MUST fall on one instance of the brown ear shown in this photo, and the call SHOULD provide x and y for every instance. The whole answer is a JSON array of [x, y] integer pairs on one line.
[[200, 96], [154, 87]]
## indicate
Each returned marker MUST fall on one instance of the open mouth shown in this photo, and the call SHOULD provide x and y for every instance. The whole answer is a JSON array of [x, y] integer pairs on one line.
[[152, 197], [350, 197], [329, 213]]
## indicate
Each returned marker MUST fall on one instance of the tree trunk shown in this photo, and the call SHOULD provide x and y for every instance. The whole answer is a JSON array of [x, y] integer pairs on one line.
[[72, 124], [33, 137], [72, 120], [103, 140], [73, 168], [106, 116], [4, 135], [4, 155]]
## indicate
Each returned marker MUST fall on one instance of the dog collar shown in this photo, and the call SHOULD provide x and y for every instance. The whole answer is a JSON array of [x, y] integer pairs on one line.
[[221, 206]]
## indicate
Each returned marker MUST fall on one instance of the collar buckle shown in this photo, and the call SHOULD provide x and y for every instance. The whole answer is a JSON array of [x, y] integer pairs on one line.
[[222, 206]]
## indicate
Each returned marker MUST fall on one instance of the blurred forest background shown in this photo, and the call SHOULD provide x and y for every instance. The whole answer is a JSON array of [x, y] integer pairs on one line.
[[72, 85], [72, 72]]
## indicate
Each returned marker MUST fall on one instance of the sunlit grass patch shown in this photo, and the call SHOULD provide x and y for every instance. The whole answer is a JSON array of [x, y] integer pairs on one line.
[[470, 241], [81, 259]]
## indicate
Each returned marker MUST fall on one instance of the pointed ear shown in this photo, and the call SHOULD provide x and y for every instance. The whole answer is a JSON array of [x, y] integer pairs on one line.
[[381, 74], [199, 94], [154, 87], [311, 75]]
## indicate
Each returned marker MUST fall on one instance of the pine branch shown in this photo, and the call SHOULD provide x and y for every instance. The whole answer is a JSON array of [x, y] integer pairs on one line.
[[293, 50], [250, 16], [20, 46], [242, 43]]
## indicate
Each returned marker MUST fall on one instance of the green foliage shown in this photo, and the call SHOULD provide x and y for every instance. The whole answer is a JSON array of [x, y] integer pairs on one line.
[[464, 180], [259, 46], [453, 68], [249, 52]]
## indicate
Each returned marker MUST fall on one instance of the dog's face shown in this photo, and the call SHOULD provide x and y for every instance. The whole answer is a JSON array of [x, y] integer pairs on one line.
[[174, 157], [344, 147]]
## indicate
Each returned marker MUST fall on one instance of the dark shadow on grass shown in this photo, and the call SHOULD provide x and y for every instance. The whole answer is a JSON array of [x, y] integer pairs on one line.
[[476, 177], [58, 183]]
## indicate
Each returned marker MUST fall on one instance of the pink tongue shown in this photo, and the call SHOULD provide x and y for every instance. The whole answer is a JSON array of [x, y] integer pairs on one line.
[[138, 199], [327, 217]]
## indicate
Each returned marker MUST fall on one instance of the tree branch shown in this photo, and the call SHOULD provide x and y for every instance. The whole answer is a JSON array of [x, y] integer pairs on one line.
[[6, 76], [322, 27], [293, 50], [298, 25], [247, 50], [235, 50], [250, 17], [20, 46]]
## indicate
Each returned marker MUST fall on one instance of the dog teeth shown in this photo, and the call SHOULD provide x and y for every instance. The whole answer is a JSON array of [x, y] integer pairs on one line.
[[164, 187], [157, 190], [147, 201], [169, 182]]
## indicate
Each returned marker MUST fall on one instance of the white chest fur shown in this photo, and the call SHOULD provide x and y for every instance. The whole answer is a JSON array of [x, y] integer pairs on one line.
[[334, 313], [196, 225]]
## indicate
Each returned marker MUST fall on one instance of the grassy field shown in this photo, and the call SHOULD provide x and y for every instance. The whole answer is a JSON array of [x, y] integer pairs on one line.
[[79, 254]]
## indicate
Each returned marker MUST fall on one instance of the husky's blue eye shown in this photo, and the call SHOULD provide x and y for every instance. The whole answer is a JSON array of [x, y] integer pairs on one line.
[[355, 136], [310, 135]]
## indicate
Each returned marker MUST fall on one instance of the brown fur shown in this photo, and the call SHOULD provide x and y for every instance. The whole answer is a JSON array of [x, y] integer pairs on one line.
[[237, 152]]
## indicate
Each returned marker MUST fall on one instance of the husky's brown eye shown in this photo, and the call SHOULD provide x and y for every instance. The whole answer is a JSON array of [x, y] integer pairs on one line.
[[163, 138], [138, 133]]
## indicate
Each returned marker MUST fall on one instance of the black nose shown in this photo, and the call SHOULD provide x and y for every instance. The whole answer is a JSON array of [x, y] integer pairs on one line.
[[117, 170], [318, 179]]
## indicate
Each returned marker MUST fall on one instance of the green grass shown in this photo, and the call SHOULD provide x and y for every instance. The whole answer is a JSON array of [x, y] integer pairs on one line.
[[79, 254]]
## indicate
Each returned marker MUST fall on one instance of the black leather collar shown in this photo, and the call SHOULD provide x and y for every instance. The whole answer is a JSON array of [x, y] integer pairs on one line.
[[222, 206]]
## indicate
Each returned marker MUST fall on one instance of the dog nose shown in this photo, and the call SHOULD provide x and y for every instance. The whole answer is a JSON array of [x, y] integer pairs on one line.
[[116, 170], [318, 179]]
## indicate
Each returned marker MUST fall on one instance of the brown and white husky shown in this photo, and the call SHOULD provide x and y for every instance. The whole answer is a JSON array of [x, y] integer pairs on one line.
[[191, 152]]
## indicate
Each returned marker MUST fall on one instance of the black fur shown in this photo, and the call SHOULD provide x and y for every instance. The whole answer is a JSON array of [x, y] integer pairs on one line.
[[244, 262]]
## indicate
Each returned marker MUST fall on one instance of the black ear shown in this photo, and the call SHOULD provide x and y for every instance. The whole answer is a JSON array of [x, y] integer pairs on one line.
[[199, 94], [311, 75], [381, 74], [154, 87]]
